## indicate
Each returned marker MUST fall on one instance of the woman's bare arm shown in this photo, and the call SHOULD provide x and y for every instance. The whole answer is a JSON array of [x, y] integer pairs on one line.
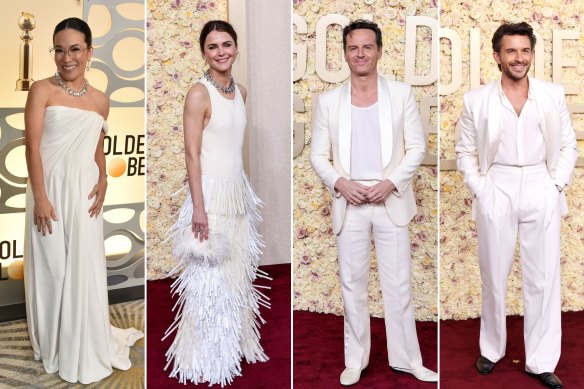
[[99, 190], [197, 106], [34, 116]]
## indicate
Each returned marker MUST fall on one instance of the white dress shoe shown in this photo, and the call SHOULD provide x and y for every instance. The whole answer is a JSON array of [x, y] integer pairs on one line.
[[350, 376], [420, 373]]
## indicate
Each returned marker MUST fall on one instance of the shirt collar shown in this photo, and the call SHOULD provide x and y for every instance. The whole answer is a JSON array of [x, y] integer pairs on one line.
[[529, 90]]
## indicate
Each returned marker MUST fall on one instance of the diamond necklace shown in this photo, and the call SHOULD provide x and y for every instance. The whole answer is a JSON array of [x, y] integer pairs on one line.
[[69, 90], [223, 89]]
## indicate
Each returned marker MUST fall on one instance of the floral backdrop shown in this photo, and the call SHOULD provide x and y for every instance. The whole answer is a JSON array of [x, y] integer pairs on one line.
[[460, 282], [316, 279], [174, 65]]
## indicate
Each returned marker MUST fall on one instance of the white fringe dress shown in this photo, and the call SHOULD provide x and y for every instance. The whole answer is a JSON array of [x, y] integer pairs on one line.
[[218, 319]]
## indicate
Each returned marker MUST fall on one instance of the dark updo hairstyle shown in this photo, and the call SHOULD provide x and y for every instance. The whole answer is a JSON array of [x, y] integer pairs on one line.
[[216, 25], [74, 24]]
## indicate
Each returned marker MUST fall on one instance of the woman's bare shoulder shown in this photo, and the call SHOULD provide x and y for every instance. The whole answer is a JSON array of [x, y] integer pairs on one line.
[[102, 102], [243, 91], [40, 92], [197, 98], [198, 92], [44, 86]]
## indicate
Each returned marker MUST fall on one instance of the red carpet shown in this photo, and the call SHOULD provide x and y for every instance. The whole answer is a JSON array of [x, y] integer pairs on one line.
[[319, 361], [275, 336], [459, 350]]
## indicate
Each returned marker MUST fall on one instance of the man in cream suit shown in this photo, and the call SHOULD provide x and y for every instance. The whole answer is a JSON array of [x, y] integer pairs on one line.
[[517, 150], [376, 135]]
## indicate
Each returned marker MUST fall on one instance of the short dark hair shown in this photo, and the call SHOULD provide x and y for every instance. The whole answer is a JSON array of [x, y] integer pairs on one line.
[[216, 25], [362, 24], [521, 28], [75, 24]]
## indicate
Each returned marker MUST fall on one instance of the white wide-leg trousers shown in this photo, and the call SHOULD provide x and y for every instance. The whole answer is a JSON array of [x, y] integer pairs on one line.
[[392, 245], [521, 200]]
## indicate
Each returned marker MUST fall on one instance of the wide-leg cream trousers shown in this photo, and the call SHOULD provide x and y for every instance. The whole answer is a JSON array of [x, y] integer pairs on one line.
[[392, 245], [521, 200]]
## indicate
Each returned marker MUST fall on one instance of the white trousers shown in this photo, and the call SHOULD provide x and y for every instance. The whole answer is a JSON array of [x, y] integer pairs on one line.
[[392, 245], [521, 200]]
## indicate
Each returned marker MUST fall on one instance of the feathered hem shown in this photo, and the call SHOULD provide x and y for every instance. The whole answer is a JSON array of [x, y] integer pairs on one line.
[[218, 318]]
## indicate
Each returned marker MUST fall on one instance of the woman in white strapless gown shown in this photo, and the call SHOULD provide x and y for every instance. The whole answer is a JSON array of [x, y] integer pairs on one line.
[[65, 265], [216, 243]]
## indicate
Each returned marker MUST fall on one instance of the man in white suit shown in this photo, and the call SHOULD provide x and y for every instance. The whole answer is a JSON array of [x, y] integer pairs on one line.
[[376, 135], [517, 150]]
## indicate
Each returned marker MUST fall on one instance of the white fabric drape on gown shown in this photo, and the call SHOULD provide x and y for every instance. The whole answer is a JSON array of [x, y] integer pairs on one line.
[[65, 272]]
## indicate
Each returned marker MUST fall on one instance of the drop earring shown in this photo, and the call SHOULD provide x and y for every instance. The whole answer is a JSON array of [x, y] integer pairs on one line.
[[88, 67]]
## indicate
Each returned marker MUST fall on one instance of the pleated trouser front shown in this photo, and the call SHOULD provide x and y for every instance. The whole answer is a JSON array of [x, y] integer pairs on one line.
[[392, 245], [524, 201]]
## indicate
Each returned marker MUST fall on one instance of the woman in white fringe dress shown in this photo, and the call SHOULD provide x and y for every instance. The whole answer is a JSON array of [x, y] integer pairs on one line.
[[216, 243], [64, 257]]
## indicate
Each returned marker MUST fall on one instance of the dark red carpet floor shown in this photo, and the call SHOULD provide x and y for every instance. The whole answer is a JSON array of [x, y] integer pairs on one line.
[[319, 360], [459, 349], [275, 336]]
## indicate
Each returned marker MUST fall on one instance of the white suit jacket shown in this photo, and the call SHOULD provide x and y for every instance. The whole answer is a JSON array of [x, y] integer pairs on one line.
[[402, 145], [479, 133]]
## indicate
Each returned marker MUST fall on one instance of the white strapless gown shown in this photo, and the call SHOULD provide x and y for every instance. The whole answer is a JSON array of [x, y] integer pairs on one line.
[[65, 272], [218, 318]]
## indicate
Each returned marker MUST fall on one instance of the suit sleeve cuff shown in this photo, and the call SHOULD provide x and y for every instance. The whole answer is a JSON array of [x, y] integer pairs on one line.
[[400, 187], [331, 185]]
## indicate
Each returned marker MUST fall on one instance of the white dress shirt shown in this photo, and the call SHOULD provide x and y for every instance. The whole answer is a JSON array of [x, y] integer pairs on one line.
[[521, 142], [365, 143]]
